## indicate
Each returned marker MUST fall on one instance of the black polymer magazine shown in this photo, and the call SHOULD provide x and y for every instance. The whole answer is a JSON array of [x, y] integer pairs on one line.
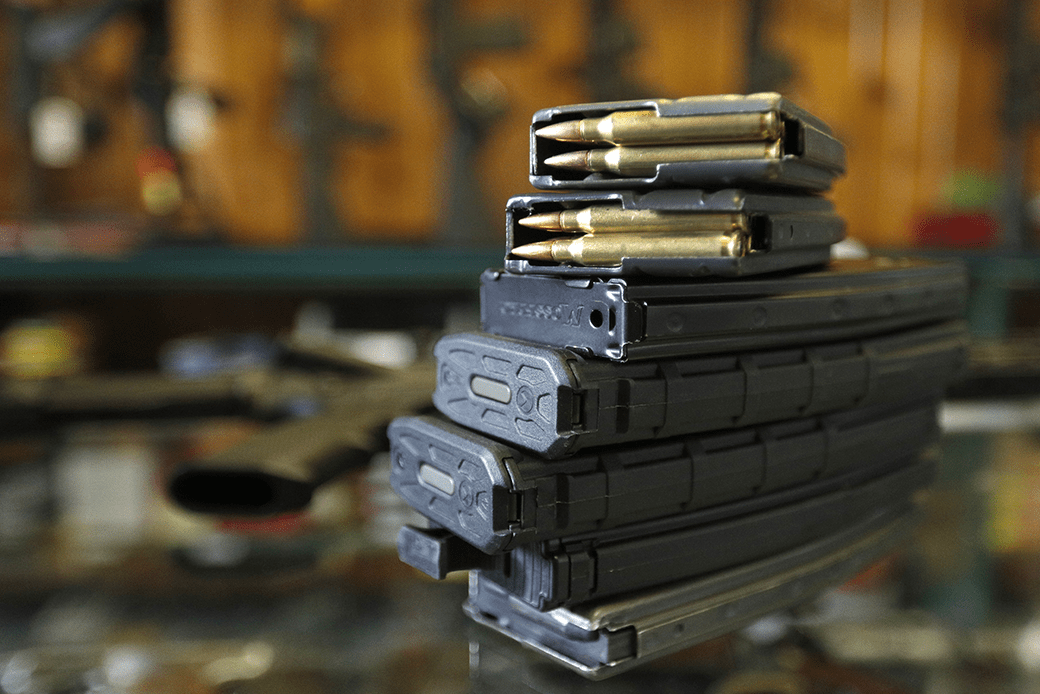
[[555, 402], [599, 639], [495, 497], [620, 319], [599, 565]]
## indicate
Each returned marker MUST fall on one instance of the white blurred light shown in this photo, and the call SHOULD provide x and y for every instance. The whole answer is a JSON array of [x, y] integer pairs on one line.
[[1028, 646], [191, 116], [57, 132], [125, 667]]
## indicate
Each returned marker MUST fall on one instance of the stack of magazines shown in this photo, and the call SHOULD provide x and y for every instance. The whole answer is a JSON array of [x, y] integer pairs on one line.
[[680, 414]]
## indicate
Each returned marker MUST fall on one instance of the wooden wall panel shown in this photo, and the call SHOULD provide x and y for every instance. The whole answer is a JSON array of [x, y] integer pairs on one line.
[[683, 48], [913, 87], [378, 69], [246, 175], [942, 55], [99, 79], [14, 193], [688, 48], [1032, 177], [545, 72], [389, 187], [836, 51]]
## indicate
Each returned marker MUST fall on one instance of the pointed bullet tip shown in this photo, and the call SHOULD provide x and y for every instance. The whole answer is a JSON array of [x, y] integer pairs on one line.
[[570, 160], [540, 250], [546, 221], [568, 131]]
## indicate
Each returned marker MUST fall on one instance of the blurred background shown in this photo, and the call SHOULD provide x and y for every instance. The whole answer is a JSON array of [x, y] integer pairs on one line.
[[207, 189]]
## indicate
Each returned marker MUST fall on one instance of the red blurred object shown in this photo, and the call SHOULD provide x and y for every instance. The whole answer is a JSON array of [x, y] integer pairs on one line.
[[279, 525], [965, 230], [874, 576], [152, 159]]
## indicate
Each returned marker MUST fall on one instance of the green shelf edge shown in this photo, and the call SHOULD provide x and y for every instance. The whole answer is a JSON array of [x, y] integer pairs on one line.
[[405, 267]]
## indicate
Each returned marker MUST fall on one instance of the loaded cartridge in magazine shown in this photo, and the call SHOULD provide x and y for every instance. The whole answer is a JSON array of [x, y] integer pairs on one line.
[[668, 233], [755, 140]]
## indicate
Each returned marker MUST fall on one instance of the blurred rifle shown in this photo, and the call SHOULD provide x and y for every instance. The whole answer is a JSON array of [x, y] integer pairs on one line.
[[276, 470]]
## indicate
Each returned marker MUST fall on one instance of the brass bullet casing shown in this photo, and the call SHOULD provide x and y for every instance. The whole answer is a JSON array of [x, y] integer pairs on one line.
[[648, 128], [787, 231], [743, 141], [643, 161], [609, 219], [610, 249]]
